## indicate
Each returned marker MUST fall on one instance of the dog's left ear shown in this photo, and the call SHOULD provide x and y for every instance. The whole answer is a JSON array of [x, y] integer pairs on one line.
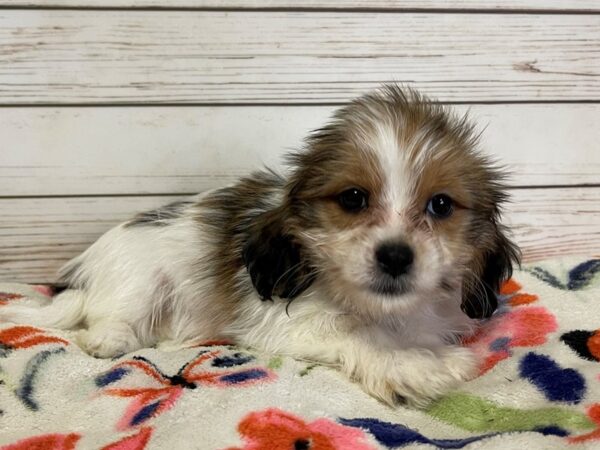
[[276, 262], [480, 295]]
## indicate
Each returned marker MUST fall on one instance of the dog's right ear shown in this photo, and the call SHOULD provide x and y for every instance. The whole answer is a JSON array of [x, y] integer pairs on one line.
[[275, 261], [480, 295]]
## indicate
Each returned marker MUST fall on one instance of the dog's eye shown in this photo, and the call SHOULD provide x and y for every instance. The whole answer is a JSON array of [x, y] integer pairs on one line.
[[440, 205], [353, 199]]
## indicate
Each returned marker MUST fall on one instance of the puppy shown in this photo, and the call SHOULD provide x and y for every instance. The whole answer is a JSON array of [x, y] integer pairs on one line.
[[384, 233]]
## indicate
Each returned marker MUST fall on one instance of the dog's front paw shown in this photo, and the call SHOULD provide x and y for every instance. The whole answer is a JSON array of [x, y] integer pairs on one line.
[[416, 377], [461, 362], [108, 339]]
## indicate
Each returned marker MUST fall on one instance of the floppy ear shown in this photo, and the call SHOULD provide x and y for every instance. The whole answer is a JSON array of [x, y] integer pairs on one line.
[[480, 295], [275, 261]]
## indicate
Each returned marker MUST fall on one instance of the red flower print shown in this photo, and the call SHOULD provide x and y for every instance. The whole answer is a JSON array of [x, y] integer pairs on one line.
[[273, 428], [25, 337], [162, 391], [519, 326], [43, 289], [46, 442], [19, 337], [511, 290], [5, 297], [136, 441]]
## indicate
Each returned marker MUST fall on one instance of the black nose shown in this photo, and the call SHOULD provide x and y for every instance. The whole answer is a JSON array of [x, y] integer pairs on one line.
[[394, 258]]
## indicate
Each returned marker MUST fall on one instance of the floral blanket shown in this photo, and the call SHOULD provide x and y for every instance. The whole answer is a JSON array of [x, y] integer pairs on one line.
[[539, 386]]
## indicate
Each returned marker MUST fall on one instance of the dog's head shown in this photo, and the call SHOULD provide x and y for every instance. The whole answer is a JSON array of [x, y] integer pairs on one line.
[[388, 205]]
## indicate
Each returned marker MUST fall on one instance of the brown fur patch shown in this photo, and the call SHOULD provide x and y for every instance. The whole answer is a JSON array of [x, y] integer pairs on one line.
[[439, 150], [229, 214]]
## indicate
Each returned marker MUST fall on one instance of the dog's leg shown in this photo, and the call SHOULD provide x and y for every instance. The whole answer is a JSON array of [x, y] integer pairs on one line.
[[63, 311], [387, 364], [412, 376], [108, 338], [104, 338]]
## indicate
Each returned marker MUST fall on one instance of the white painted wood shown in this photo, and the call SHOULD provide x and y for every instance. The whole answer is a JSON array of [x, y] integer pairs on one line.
[[546, 5], [38, 235], [133, 150], [550, 223], [65, 56], [282, 57]]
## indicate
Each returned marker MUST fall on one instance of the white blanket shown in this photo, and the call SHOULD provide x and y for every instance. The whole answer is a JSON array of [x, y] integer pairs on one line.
[[539, 386]]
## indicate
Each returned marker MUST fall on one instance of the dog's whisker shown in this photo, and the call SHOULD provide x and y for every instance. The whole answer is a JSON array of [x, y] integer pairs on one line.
[[290, 270]]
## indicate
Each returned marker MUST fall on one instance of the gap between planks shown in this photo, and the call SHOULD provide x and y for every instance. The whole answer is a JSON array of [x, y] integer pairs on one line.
[[147, 104], [292, 9], [545, 222], [184, 194], [314, 57]]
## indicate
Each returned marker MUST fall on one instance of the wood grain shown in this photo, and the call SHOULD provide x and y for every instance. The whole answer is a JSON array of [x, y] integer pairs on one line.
[[532, 5], [99, 151], [37, 236], [73, 57], [550, 223]]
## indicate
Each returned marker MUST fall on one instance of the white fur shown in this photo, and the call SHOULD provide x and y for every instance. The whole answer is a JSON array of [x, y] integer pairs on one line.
[[410, 357], [141, 289], [140, 286]]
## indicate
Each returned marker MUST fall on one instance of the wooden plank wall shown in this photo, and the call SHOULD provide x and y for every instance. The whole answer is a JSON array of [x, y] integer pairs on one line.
[[108, 107]]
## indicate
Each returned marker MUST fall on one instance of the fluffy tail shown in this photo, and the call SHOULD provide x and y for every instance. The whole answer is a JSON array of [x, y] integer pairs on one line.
[[64, 311]]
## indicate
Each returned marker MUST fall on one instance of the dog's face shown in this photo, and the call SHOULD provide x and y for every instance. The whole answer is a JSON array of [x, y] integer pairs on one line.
[[391, 206]]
